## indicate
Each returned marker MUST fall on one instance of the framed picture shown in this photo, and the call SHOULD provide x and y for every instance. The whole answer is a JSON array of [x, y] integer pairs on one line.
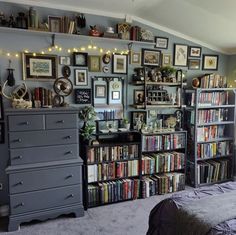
[[83, 96], [64, 60], [80, 59], [151, 57], [100, 91], [55, 24], [39, 67], [210, 62], [135, 57], [166, 60], [136, 117], [115, 95], [94, 63], [119, 63], [180, 55], [81, 77], [2, 133], [161, 42], [195, 52], [1, 107], [139, 97], [193, 64]]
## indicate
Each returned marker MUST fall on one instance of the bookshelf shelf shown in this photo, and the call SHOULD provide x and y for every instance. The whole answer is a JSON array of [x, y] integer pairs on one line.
[[216, 157], [216, 140], [216, 123], [123, 160], [114, 179], [164, 150]]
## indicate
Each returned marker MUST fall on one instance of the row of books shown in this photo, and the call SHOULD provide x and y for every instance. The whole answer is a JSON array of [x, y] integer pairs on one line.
[[162, 162], [113, 191], [213, 170], [112, 153], [42, 97], [210, 132], [68, 25], [112, 170], [163, 142], [213, 81], [210, 150], [161, 184]]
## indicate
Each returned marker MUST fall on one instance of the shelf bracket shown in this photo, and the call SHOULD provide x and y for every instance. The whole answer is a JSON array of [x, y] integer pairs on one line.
[[53, 40]]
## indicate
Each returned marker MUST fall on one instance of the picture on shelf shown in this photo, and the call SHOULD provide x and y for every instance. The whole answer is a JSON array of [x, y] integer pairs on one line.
[[180, 55], [81, 77], [193, 64], [39, 67], [195, 52], [83, 96], [100, 91], [119, 63], [139, 97], [64, 60], [55, 24], [210, 62], [151, 57], [137, 119], [161, 42], [94, 63], [80, 59]]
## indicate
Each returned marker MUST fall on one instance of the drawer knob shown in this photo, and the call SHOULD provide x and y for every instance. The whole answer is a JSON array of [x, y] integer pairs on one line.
[[19, 183], [26, 123], [68, 137], [70, 196], [20, 204], [69, 152], [60, 121], [18, 140], [18, 157], [69, 176]]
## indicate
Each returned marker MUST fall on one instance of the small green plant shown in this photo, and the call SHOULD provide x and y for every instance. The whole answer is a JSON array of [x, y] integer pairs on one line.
[[87, 131], [126, 121], [167, 71]]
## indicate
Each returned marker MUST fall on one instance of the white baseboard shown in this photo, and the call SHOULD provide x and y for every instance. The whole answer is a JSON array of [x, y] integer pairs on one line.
[[4, 210]]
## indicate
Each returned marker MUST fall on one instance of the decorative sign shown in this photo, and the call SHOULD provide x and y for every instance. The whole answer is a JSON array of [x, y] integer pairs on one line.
[[83, 96]]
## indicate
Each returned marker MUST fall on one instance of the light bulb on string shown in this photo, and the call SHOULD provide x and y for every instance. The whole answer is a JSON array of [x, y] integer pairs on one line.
[[101, 50], [60, 49], [50, 49], [69, 51], [16, 55], [8, 54], [89, 46], [26, 51], [82, 49], [34, 54], [94, 47], [42, 52]]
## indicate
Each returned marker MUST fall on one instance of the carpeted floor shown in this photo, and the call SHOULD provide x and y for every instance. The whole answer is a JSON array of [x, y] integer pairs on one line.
[[126, 218]]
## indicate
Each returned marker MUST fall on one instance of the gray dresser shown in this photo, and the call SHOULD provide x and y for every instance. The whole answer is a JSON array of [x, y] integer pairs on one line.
[[45, 170]]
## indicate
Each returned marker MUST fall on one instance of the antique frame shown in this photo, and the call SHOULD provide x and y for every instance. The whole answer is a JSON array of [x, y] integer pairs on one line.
[[83, 96], [210, 62], [80, 59], [64, 60], [180, 55], [194, 64], [81, 77], [195, 51], [119, 64], [39, 67], [139, 97], [100, 91], [55, 24], [115, 95], [166, 60], [135, 57], [151, 57], [94, 63], [161, 42], [138, 114]]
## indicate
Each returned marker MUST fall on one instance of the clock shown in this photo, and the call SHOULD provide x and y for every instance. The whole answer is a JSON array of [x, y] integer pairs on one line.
[[105, 69]]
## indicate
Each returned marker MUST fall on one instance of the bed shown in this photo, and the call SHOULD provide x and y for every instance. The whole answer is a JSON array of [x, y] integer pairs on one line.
[[208, 210]]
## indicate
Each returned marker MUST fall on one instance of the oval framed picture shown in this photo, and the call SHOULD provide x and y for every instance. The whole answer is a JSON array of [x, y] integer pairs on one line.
[[106, 58]]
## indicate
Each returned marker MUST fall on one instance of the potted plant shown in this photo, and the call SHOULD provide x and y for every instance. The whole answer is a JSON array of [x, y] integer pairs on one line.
[[126, 123], [167, 71]]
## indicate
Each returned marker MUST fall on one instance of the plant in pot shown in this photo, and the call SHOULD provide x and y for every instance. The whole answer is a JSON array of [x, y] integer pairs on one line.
[[126, 123], [167, 72]]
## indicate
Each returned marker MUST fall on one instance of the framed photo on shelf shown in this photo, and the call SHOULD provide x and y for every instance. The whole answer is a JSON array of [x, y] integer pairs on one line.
[[151, 57], [194, 64], [195, 52], [39, 67], [64, 60], [100, 91], [139, 97], [115, 95], [166, 60], [210, 62], [94, 63], [81, 77], [135, 57], [83, 96], [80, 59], [161, 42], [180, 55], [119, 63], [137, 116], [55, 24]]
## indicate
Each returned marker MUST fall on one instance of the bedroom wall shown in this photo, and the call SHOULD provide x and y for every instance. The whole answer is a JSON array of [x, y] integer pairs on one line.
[[20, 41]]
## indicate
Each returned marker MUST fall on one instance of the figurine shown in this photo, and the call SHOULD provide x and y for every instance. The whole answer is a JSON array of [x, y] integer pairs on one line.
[[94, 31]]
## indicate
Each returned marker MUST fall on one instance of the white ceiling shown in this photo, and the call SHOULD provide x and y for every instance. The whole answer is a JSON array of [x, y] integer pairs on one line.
[[210, 23]]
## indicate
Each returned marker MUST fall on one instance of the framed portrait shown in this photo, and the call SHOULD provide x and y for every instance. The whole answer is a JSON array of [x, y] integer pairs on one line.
[[138, 116], [100, 91], [195, 52], [94, 63], [115, 95], [119, 63], [55, 24], [161, 42], [210, 62], [180, 55], [194, 64], [80, 59], [64, 60], [151, 57], [83, 96], [39, 67], [2, 133], [166, 60], [139, 97], [135, 57], [81, 77]]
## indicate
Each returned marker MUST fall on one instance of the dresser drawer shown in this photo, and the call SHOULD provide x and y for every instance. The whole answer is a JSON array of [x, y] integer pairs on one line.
[[61, 121], [26, 122], [45, 199], [44, 178], [43, 154], [42, 138]]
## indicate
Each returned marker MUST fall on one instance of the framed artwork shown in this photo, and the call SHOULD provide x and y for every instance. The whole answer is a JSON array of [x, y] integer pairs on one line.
[[151, 57], [123, 29], [64, 60], [161, 42], [210, 62], [138, 116], [80, 59], [100, 91], [139, 97], [39, 67], [55, 24], [2, 133], [1, 107], [81, 77], [83, 96], [119, 63], [135, 57], [194, 64], [106, 58], [180, 55], [166, 60], [115, 95], [195, 52], [94, 63]]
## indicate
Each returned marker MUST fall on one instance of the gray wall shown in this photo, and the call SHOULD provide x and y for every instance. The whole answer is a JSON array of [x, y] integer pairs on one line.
[[20, 41]]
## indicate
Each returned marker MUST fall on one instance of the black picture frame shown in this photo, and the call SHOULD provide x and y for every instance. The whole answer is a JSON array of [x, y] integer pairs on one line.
[[135, 115], [80, 59], [81, 77], [194, 64], [139, 97], [1, 106], [2, 133], [151, 57], [195, 51], [180, 55], [100, 91], [210, 62], [119, 64], [83, 96], [161, 42]]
